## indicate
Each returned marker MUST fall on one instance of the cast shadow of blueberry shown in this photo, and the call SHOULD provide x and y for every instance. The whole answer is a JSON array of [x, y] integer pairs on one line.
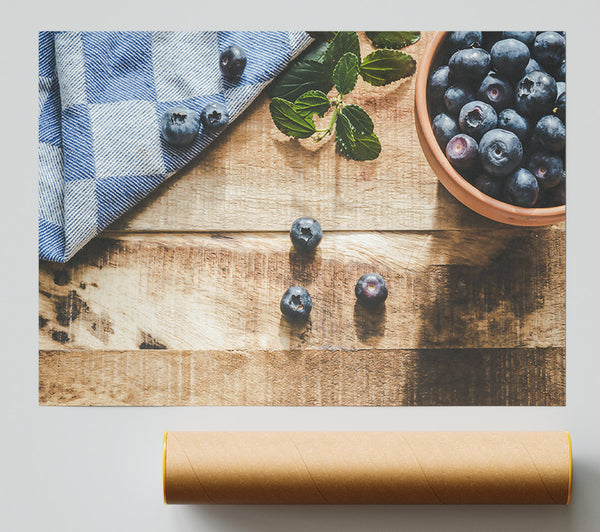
[[294, 333], [369, 323], [304, 267]]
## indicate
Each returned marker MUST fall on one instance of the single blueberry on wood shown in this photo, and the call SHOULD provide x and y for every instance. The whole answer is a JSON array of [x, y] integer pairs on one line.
[[296, 303], [179, 126], [371, 290], [306, 234]]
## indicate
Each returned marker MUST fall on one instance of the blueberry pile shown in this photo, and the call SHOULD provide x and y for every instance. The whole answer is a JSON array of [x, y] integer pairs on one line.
[[498, 105], [179, 126]]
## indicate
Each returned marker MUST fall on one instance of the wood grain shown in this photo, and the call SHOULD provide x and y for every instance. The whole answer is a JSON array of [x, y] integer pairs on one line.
[[222, 291], [257, 179], [178, 302], [304, 377]]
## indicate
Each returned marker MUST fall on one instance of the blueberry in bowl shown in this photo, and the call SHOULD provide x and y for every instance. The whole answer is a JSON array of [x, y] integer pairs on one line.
[[469, 65], [500, 152], [462, 151], [522, 188], [509, 58], [547, 168], [535, 94], [495, 91], [510, 120], [476, 118], [444, 128], [455, 97], [550, 133]]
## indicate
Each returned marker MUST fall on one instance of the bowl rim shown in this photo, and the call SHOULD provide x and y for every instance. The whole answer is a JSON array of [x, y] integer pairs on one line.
[[457, 185]]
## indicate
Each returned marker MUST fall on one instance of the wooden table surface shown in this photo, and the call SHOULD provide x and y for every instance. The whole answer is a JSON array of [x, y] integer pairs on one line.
[[178, 302]]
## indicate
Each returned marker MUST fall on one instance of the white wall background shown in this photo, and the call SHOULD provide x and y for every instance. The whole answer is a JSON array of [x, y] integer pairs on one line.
[[98, 469]]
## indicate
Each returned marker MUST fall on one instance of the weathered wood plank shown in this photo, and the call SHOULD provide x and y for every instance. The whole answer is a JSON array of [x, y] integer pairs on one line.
[[304, 377], [255, 178], [448, 289]]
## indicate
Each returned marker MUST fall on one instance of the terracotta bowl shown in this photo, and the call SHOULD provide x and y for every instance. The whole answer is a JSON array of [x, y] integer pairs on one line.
[[458, 186]]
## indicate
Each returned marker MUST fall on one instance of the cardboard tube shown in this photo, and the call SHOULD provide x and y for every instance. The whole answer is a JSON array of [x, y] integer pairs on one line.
[[367, 467]]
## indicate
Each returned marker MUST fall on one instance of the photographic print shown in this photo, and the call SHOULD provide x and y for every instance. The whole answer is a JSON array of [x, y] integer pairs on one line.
[[302, 218]]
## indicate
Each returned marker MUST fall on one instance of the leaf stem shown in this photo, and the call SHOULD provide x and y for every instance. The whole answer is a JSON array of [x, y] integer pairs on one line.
[[325, 132]]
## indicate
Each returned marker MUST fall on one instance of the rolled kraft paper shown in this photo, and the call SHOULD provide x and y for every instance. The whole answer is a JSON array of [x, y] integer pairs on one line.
[[367, 467]]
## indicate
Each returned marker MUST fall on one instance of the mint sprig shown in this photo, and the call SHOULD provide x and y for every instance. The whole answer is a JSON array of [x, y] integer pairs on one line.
[[335, 61]]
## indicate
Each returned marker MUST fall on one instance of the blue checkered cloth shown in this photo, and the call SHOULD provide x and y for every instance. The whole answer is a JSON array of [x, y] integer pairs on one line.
[[101, 97]]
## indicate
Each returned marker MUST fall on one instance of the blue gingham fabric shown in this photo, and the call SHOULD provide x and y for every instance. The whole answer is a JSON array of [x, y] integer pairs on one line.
[[101, 97]]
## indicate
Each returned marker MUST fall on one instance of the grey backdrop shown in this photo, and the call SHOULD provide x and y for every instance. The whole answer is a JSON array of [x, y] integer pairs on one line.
[[97, 469]]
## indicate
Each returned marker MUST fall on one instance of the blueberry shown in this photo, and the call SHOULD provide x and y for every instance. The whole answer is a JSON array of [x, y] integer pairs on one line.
[[444, 128], [533, 66], [490, 186], [461, 151], [550, 133], [509, 58], [306, 233], [500, 152], [455, 97], [179, 126], [371, 290], [296, 303], [469, 65], [510, 120], [561, 87], [459, 40], [547, 168], [561, 107], [475, 118], [526, 37], [438, 83], [495, 91], [535, 94], [214, 116], [549, 49], [522, 188], [232, 62]]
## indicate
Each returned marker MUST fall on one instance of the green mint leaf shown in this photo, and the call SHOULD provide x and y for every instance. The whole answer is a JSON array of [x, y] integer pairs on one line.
[[384, 66], [323, 36], [303, 76], [344, 41], [359, 145], [393, 39], [312, 102], [289, 121], [345, 73], [314, 52], [367, 147], [358, 118], [344, 136]]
